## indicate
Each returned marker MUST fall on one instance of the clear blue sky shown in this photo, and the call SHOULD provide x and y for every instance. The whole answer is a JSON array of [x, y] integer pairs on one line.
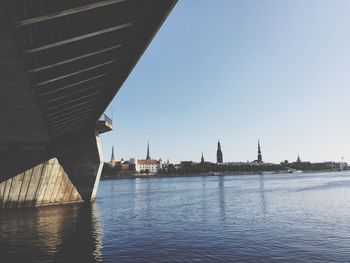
[[238, 71]]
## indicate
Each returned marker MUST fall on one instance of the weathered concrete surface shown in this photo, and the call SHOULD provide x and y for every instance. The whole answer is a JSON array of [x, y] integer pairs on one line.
[[28, 179], [44, 184], [81, 157], [15, 159], [18, 107]]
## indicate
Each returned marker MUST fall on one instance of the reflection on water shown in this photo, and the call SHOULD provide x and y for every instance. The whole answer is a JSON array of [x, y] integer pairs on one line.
[[59, 234], [221, 189], [268, 218], [262, 194]]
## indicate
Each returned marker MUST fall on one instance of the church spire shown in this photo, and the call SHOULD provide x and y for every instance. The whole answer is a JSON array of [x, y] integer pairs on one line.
[[219, 158], [259, 153], [112, 156], [148, 157], [202, 158], [298, 159]]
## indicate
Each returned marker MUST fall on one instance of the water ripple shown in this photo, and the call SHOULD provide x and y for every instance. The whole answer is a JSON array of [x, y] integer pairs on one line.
[[270, 218]]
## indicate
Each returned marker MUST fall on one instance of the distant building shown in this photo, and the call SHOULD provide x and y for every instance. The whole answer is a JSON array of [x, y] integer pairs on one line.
[[148, 156], [148, 165], [113, 162], [219, 158], [127, 166], [342, 165], [166, 165], [202, 158], [298, 159], [112, 156], [259, 153]]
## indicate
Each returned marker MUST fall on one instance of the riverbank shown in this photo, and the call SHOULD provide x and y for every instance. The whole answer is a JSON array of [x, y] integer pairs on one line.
[[134, 176]]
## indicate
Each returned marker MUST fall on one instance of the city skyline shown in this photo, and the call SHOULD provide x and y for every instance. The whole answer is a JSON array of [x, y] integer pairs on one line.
[[219, 156], [273, 70], [174, 131]]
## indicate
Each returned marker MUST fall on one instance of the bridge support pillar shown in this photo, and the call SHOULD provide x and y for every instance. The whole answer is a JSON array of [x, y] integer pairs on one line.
[[40, 175], [81, 157], [31, 177]]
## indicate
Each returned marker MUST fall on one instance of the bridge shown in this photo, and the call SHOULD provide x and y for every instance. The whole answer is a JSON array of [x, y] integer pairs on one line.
[[61, 64]]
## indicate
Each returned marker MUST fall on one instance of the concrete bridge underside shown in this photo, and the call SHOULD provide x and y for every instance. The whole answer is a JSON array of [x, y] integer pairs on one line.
[[61, 64]]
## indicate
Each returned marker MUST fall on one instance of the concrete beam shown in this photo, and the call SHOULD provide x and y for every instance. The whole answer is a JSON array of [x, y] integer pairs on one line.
[[75, 84], [67, 109], [68, 124], [77, 125], [67, 12], [64, 123], [74, 73], [68, 118], [63, 62], [78, 38], [68, 94], [71, 113], [72, 100]]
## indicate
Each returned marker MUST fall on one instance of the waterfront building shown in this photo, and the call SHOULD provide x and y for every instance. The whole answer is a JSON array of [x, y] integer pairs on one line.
[[259, 153], [127, 166], [342, 165], [149, 166], [219, 158]]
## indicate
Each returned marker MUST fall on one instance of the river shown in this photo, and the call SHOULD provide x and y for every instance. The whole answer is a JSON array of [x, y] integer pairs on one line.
[[251, 218]]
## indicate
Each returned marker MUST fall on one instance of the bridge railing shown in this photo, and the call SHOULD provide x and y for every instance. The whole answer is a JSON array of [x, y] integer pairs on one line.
[[104, 124], [107, 119]]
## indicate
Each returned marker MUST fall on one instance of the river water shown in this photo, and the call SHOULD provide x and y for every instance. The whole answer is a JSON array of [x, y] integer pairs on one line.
[[254, 218]]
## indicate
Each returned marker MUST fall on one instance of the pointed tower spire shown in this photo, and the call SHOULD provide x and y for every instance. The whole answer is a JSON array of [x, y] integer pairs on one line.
[[148, 157], [259, 153], [298, 159], [112, 156], [202, 158], [219, 158]]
